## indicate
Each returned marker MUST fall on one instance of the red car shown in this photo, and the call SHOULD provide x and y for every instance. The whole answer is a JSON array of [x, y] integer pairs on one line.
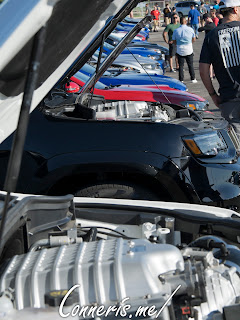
[[149, 93]]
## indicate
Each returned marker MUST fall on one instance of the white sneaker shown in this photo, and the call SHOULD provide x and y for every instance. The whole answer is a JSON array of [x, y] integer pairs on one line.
[[194, 81]]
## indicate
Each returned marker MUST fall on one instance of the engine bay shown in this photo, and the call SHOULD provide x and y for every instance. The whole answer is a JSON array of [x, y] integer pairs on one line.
[[94, 107], [146, 260]]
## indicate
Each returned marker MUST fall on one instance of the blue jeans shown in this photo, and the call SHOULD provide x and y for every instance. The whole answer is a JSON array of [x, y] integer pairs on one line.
[[195, 28]]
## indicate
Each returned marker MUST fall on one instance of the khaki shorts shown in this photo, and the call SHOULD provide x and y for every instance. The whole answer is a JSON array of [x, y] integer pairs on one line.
[[167, 20]]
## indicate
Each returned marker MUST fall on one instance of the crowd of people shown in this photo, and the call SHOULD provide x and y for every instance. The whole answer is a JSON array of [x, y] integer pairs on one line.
[[220, 54], [180, 41], [156, 14]]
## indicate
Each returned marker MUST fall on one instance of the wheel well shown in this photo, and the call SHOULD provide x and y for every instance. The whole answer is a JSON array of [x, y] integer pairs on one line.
[[72, 184]]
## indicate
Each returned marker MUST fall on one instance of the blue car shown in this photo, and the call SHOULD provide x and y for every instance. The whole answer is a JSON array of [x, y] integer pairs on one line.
[[128, 28], [131, 25], [114, 40], [133, 79], [107, 49]]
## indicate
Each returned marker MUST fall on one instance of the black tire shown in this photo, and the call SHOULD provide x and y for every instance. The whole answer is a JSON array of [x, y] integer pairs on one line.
[[117, 191], [180, 14]]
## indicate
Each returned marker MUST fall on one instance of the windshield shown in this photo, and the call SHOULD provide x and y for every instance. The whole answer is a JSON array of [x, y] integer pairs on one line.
[[84, 78]]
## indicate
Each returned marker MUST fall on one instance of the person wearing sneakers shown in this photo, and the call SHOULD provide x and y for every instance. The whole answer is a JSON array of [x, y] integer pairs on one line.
[[221, 49], [167, 36], [155, 14], [183, 37]]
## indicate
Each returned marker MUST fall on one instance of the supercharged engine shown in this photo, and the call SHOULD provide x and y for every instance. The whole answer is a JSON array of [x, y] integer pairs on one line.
[[61, 104], [133, 110], [82, 267]]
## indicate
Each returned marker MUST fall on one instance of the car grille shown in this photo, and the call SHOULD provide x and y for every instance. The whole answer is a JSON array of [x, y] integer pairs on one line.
[[234, 138]]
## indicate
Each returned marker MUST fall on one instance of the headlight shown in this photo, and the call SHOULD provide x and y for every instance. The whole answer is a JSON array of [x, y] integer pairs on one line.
[[156, 57], [196, 105], [148, 66], [157, 50], [208, 144]]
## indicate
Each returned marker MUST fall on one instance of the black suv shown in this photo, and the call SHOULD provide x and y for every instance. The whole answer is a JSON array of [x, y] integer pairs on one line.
[[126, 149]]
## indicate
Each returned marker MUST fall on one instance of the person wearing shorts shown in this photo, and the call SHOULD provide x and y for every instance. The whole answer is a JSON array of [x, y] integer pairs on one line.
[[167, 14], [155, 14], [167, 36]]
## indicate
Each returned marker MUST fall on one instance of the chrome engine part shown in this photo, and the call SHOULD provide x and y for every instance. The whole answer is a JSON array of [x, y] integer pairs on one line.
[[109, 271], [131, 110]]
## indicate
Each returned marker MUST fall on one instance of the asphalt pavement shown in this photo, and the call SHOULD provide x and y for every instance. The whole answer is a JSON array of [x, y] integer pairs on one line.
[[197, 88]]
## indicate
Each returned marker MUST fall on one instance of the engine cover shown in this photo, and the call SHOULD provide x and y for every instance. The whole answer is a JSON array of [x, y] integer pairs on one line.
[[108, 271]]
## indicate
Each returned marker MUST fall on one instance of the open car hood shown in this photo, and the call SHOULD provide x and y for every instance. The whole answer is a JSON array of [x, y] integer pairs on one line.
[[71, 37], [137, 260]]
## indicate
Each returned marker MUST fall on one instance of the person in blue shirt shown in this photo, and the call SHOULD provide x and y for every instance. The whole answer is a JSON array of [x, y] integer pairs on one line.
[[194, 19], [183, 37], [216, 6]]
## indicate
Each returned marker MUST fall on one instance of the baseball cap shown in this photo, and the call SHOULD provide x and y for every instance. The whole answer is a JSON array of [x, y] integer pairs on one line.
[[229, 4]]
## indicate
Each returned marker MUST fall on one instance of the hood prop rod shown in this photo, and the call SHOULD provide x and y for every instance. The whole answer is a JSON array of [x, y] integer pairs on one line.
[[113, 55], [15, 160], [97, 68]]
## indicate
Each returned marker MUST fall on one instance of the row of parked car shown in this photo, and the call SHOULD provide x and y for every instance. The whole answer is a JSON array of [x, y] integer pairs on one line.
[[118, 258]]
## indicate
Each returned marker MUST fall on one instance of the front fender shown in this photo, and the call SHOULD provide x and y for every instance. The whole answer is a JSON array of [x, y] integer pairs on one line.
[[157, 167]]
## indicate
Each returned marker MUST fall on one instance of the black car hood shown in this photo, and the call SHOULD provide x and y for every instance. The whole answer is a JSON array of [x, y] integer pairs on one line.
[[73, 33]]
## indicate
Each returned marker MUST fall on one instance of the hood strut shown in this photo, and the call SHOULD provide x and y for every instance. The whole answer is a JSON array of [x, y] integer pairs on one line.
[[113, 55], [97, 67], [15, 160]]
